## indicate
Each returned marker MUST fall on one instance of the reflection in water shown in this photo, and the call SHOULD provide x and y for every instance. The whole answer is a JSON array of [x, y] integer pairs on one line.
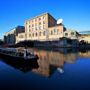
[[49, 61], [60, 70], [85, 54], [22, 65]]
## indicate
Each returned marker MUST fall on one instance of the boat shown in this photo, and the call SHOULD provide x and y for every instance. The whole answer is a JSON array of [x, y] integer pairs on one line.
[[12, 53]]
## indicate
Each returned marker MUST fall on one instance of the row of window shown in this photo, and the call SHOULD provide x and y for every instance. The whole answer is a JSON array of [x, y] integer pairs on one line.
[[45, 33], [21, 36], [37, 19], [37, 28], [36, 24], [72, 34]]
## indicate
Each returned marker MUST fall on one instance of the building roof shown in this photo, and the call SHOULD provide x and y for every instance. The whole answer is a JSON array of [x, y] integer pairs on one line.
[[71, 30], [39, 16], [13, 30]]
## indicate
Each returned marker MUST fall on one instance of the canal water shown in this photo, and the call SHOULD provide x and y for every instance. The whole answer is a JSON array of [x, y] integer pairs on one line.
[[56, 69]]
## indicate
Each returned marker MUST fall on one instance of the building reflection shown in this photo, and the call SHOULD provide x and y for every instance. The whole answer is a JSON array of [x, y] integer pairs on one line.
[[85, 53], [50, 61], [71, 57]]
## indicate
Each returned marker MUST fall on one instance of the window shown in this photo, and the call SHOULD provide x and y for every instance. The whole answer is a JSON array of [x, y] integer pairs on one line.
[[29, 30], [44, 33], [43, 22], [40, 33], [39, 18], [55, 30], [29, 26], [36, 34], [39, 23], [66, 34], [33, 34], [29, 35], [72, 33], [21, 36], [51, 32]]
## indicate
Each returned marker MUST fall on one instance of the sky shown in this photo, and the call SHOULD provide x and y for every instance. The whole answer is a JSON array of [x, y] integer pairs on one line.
[[75, 13]]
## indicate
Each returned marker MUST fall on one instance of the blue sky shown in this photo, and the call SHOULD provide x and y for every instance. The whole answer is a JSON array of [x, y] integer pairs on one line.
[[75, 13]]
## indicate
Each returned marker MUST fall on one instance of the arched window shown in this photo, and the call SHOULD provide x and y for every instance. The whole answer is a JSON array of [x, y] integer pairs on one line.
[[72, 33], [51, 32], [44, 33], [66, 34], [36, 34], [29, 35], [33, 34], [29, 30], [55, 31], [29, 26], [40, 33]]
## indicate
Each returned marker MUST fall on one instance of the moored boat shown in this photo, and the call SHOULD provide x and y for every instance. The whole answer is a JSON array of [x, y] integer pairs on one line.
[[12, 53]]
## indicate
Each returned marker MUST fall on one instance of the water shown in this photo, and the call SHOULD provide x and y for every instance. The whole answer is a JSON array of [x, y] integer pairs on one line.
[[58, 69]]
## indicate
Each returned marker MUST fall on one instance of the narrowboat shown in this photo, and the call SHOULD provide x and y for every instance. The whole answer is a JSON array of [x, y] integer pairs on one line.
[[12, 53]]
